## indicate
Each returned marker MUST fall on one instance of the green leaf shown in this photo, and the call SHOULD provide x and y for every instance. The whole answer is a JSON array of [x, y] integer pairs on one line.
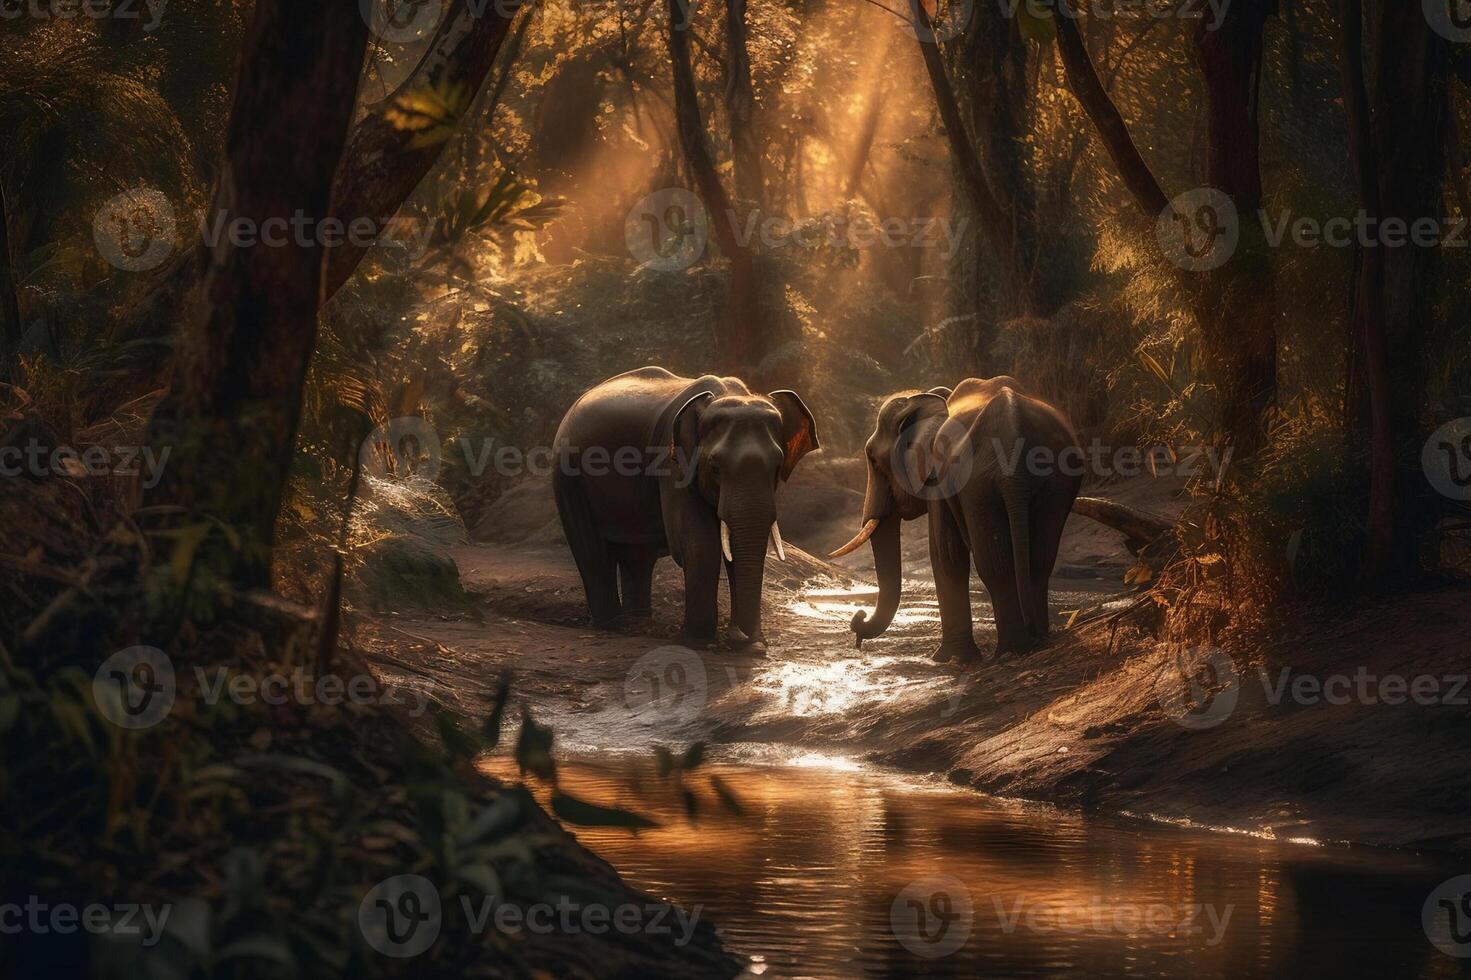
[[584, 814]]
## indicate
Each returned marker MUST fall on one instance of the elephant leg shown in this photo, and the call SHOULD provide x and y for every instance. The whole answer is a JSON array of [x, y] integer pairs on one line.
[[593, 556], [990, 540], [950, 562], [1052, 509], [636, 579], [701, 582]]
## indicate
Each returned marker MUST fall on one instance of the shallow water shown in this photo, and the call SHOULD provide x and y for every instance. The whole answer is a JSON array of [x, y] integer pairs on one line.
[[835, 869]]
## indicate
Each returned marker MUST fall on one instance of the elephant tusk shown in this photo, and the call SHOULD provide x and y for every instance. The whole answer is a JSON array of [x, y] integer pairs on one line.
[[725, 541], [781, 551], [868, 528]]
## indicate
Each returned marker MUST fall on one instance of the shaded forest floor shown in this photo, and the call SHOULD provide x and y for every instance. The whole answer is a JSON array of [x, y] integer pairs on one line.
[[1084, 722]]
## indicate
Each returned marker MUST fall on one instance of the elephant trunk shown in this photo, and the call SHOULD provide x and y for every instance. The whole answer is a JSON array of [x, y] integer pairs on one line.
[[885, 542], [746, 528]]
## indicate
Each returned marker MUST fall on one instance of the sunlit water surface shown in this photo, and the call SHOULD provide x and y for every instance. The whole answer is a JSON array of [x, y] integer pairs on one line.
[[834, 869]]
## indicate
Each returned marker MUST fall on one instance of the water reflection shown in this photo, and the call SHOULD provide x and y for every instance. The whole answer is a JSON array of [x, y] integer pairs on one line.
[[837, 870]]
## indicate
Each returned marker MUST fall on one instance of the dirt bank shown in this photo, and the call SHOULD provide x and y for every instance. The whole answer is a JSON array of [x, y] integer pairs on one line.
[[1096, 719]]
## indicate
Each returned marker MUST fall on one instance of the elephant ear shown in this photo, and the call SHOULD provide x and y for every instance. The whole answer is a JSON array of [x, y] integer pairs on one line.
[[799, 430], [913, 463], [684, 431]]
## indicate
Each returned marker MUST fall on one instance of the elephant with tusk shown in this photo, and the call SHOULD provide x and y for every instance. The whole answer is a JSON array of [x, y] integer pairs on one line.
[[702, 459], [982, 463]]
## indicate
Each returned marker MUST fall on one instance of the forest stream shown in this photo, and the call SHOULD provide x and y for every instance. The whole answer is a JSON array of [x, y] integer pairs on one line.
[[811, 835]]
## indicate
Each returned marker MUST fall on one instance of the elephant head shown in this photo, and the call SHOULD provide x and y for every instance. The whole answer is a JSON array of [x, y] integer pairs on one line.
[[741, 446], [902, 467]]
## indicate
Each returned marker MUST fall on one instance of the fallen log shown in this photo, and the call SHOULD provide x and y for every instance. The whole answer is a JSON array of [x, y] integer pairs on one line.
[[1139, 529]]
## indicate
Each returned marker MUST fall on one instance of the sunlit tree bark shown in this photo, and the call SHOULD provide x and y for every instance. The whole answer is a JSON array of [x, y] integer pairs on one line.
[[1231, 304], [231, 414], [741, 334], [383, 163]]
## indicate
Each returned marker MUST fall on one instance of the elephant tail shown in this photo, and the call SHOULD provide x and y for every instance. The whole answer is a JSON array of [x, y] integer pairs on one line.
[[1014, 498]]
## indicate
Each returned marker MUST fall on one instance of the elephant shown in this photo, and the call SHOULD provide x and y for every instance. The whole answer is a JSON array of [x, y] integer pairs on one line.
[[974, 460], [702, 461]]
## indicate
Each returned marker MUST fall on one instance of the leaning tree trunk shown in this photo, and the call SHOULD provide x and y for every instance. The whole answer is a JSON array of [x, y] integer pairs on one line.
[[10, 327], [383, 163], [1366, 319], [380, 168], [1243, 353], [742, 335], [740, 104], [230, 417]]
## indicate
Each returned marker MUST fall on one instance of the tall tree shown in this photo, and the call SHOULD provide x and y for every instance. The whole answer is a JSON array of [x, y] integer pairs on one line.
[[998, 223], [10, 324], [1232, 304], [1367, 314], [1410, 69], [740, 105], [383, 163], [231, 413], [742, 334]]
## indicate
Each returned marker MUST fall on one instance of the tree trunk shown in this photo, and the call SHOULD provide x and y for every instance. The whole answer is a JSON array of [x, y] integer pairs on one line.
[[1366, 320], [10, 323], [1144, 188], [381, 165], [740, 104], [379, 168], [741, 337], [1233, 304], [230, 417], [1239, 300], [997, 223], [1410, 111]]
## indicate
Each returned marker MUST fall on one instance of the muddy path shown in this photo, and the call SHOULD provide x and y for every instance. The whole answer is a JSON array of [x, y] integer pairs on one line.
[[629, 688], [1081, 722]]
